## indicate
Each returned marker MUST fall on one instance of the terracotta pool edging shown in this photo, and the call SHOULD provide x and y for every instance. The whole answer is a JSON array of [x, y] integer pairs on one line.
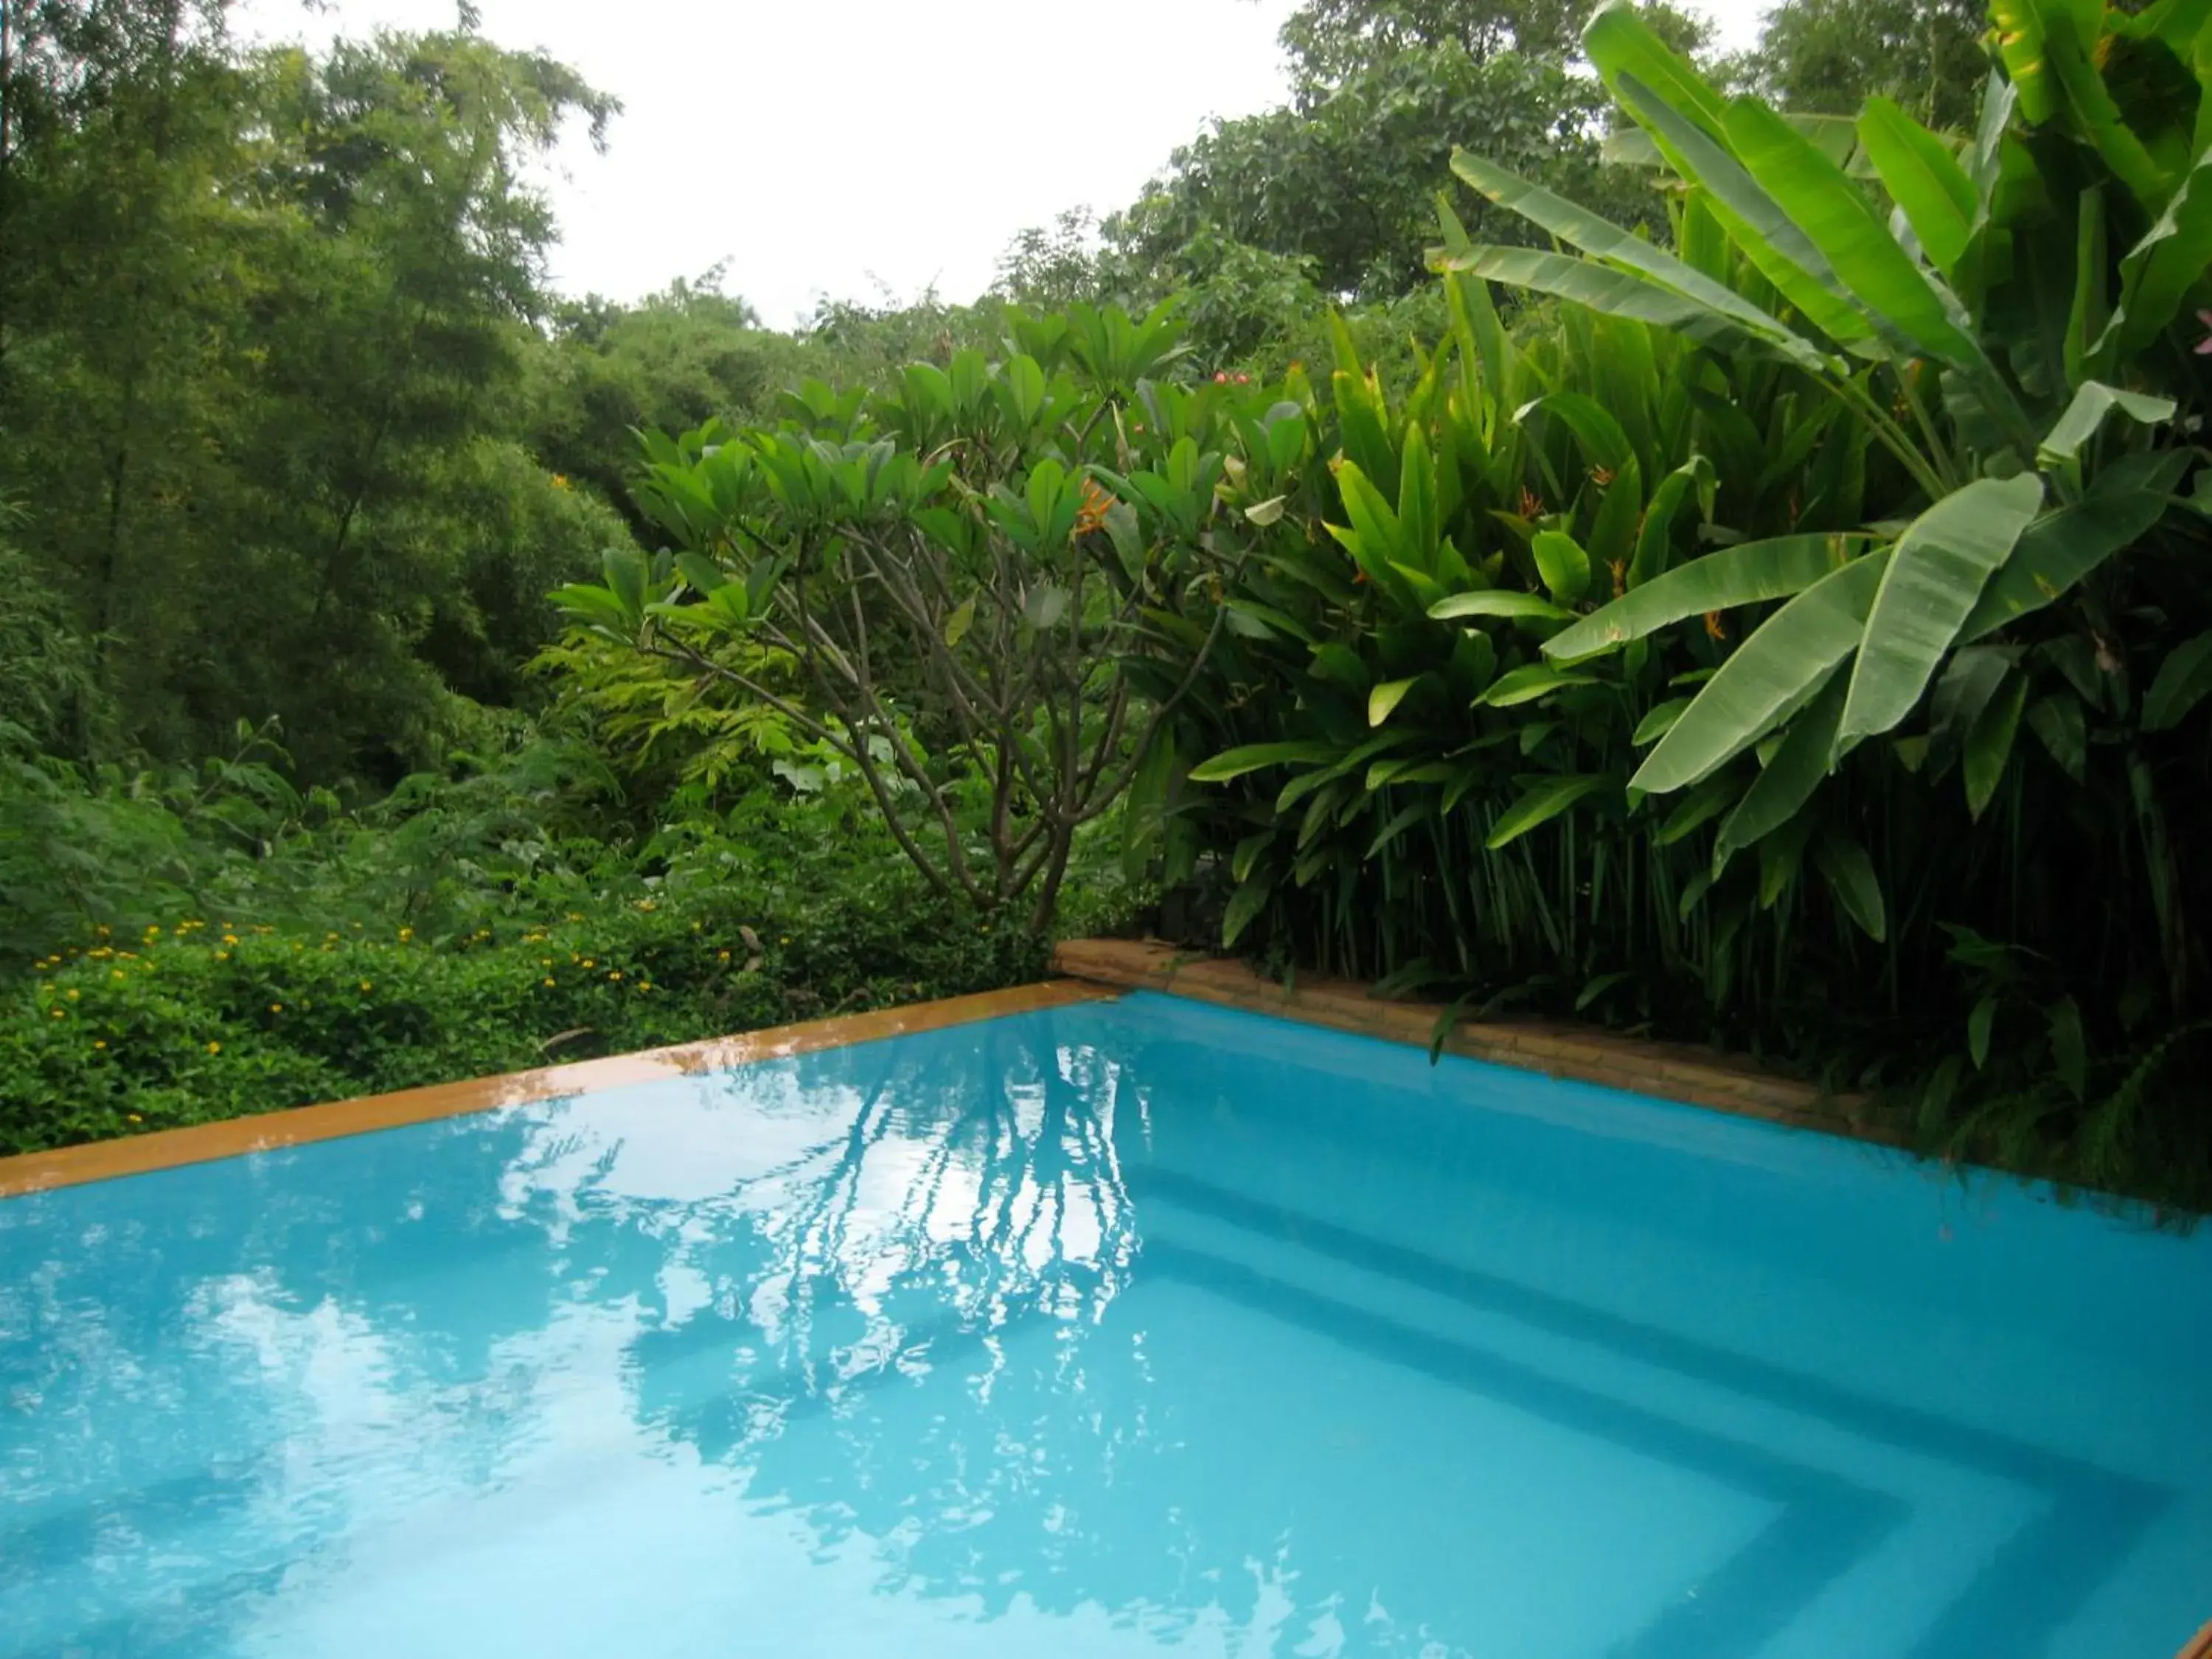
[[1679, 1071], [201, 1143]]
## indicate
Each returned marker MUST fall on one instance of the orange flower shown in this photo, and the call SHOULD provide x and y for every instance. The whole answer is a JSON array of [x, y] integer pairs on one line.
[[1715, 627], [1097, 503]]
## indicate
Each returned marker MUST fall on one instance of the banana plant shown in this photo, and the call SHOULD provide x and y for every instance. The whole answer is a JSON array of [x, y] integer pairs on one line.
[[2029, 416]]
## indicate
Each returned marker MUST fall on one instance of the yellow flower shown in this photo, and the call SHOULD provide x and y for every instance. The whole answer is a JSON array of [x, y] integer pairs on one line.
[[230, 939], [99, 1043], [366, 986], [72, 993], [560, 481], [329, 938], [645, 985], [222, 955], [61, 1013], [406, 933], [214, 1048], [721, 956], [102, 930], [786, 939], [549, 981], [616, 974], [589, 963], [276, 1007], [38, 967], [575, 915], [112, 973], [133, 1117], [152, 932]]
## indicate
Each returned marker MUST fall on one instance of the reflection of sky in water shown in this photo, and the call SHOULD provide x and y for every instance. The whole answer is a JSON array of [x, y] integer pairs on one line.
[[1103, 1330]]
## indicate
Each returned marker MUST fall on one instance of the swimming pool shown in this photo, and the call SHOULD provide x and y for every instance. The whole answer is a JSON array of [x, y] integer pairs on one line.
[[1110, 1328]]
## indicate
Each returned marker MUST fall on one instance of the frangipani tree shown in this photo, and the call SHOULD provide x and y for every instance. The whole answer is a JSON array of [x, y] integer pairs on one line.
[[968, 573]]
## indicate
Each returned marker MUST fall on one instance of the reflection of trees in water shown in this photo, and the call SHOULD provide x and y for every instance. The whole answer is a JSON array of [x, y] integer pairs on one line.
[[180, 1353], [909, 1348]]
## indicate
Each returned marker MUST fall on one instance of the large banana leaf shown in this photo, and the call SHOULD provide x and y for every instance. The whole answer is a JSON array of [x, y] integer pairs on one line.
[[2160, 270], [1834, 214], [1770, 674], [1792, 775], [1616, 294], [1602, 239], [1755, 222], [1620, 43], [2093, 402], [1936, 572], [1923, 177], [2061, 548], [1748, 574]]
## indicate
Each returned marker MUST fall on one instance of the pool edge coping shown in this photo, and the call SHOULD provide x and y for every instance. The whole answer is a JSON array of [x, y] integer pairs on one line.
[[1584, 1053], [26, 1173]]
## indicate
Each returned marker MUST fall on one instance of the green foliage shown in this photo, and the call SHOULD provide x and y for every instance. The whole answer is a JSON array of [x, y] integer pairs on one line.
[[1829, 57], [963, 571], [1695, 655], [187, 1020]]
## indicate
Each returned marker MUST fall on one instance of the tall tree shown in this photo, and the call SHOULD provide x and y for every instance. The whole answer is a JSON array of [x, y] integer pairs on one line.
[[1827, 56]]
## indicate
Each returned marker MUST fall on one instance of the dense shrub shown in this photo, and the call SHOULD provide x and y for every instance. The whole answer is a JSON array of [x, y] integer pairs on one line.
[[791, 908]]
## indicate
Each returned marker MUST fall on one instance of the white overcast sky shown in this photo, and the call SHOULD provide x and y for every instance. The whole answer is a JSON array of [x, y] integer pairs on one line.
[[836, 148]]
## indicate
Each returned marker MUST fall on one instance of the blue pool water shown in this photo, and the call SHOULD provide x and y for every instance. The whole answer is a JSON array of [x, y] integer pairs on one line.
[[1119, 1329]]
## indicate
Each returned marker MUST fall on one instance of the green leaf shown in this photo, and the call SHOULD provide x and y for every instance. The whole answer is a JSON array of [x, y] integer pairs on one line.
[[1604, 239], [1770, 674], [1541, 805], [1387, 696], [2184, 680], [1235, 763], [1747, 574], [1834, 214], [1244, 905], [1755, 222], [2059, 722], [1989, 745], [1045, 605], [625, 571], [1527, 684], [1561, 562], [1656, 725], [2061, 548], [1621, 293], [1704, 804], [1497, 602], [1790, 778], [1024, 383], [1922, 177], [1844, 865], [1936, 573], [1619, 42], [2158, 272], [2093, 402], [962, 619]]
